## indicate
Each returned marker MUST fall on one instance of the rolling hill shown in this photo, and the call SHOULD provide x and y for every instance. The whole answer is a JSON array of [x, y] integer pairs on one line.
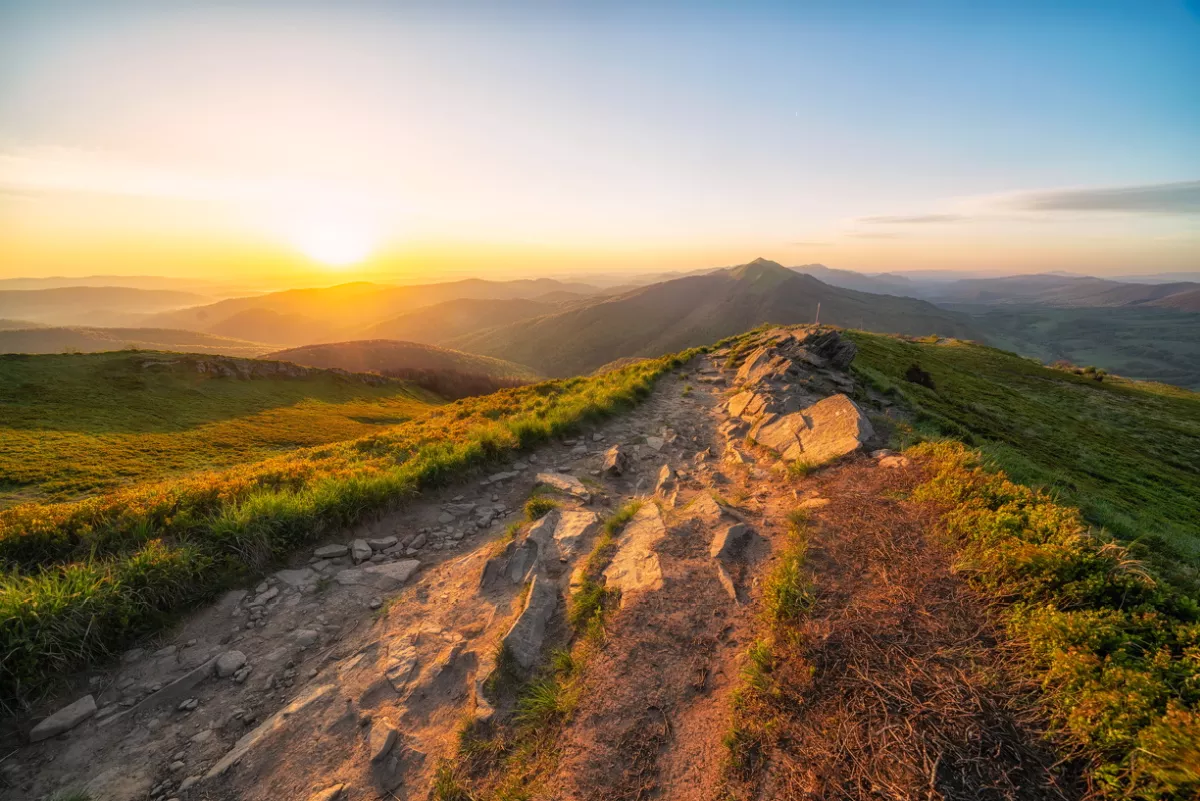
[[388, 357], [454, 318], [97, 340], [75, 424], [267, 325], [673, 315]]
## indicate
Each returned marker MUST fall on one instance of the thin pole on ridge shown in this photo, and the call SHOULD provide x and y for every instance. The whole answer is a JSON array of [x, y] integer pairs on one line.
[[818, 320]]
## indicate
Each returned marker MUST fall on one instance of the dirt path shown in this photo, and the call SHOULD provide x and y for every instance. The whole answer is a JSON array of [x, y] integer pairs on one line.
[[349, 675]]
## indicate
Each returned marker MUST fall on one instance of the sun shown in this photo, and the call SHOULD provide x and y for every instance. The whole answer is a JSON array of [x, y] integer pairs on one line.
[[336, 245]]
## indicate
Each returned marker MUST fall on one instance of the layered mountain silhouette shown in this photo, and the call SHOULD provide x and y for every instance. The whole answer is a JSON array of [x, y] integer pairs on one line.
[[344, 311], [694, 310], [1070, 291]]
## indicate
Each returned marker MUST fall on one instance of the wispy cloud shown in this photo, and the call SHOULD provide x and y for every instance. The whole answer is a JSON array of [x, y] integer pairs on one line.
[[1181, 197], [873, 235], [810, 244], [911, 219]]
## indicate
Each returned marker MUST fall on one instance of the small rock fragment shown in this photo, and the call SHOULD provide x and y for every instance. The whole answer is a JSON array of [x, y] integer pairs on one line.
[[229, 663], [729, 541], [306, 637], [328, 794], [381, 739]]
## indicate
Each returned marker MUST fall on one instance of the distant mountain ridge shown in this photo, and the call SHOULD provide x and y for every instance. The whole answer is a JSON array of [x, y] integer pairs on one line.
[[1068, 291], [346, 310], [673, 315], [82, 339], [84, 305]]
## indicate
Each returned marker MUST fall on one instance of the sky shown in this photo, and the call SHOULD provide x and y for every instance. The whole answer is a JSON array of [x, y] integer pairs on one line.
[[370, 139]]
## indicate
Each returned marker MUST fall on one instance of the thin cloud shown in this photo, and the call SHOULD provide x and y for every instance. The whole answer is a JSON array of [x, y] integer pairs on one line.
[[1181, 197], [810, 244], [911, 219], [873, 235]]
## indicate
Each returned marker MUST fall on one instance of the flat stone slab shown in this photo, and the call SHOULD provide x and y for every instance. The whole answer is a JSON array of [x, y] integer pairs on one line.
[[64, 719], [331, 551], [385, 577], [172, 694], [296, 578], [574, 525], [566, 484], [703, 508], [636, 568], [267, 728]]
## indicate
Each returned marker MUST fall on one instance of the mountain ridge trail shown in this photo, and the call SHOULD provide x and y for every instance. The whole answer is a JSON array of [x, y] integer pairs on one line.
[[353, 680]]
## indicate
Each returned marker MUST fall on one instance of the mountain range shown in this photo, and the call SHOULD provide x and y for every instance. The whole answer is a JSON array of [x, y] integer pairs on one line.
[[673, 315]]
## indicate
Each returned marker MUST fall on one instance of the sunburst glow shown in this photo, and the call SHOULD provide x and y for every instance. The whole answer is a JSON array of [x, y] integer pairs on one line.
[[336, 245]]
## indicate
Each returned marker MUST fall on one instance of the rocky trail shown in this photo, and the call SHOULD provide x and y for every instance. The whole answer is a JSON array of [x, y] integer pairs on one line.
[[350, 673]]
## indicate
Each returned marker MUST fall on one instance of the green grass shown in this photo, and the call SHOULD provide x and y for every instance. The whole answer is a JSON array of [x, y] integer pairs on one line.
[[1124, 452], [539, 506], [786, 598], [82, 580], [1115, 652], [587, 604], [72, 425], [786, 592], [1147, 343]]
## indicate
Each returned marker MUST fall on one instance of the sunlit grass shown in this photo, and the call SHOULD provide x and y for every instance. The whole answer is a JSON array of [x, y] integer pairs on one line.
[[86, 578]]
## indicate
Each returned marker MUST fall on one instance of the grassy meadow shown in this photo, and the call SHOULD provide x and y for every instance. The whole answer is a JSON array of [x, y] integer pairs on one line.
[[83, 579], [1126, 453], [78, 424]]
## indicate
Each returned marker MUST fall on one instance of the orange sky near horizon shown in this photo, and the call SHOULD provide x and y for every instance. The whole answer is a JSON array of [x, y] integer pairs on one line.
[[301, 143]]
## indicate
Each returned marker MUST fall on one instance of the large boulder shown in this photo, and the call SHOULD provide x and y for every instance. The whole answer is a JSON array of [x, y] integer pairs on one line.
[[827, 430]]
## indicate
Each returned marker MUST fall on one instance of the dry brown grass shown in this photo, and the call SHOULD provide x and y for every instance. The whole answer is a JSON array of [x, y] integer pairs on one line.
[[894, 685]]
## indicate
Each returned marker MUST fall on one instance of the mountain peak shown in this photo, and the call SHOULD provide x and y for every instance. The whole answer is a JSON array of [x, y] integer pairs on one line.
[[759, 269]]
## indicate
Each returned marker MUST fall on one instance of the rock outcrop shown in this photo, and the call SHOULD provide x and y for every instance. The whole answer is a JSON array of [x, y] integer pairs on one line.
[[524, 639]]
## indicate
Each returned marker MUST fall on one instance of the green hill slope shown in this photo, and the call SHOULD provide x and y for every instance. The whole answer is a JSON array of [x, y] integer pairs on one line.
[[696, 310], [390, 356], [99, 340], [83, 579], [78, 424], [1124, 452]]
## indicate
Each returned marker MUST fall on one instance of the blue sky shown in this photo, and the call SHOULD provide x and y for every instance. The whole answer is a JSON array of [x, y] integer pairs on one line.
[[882, 135]]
